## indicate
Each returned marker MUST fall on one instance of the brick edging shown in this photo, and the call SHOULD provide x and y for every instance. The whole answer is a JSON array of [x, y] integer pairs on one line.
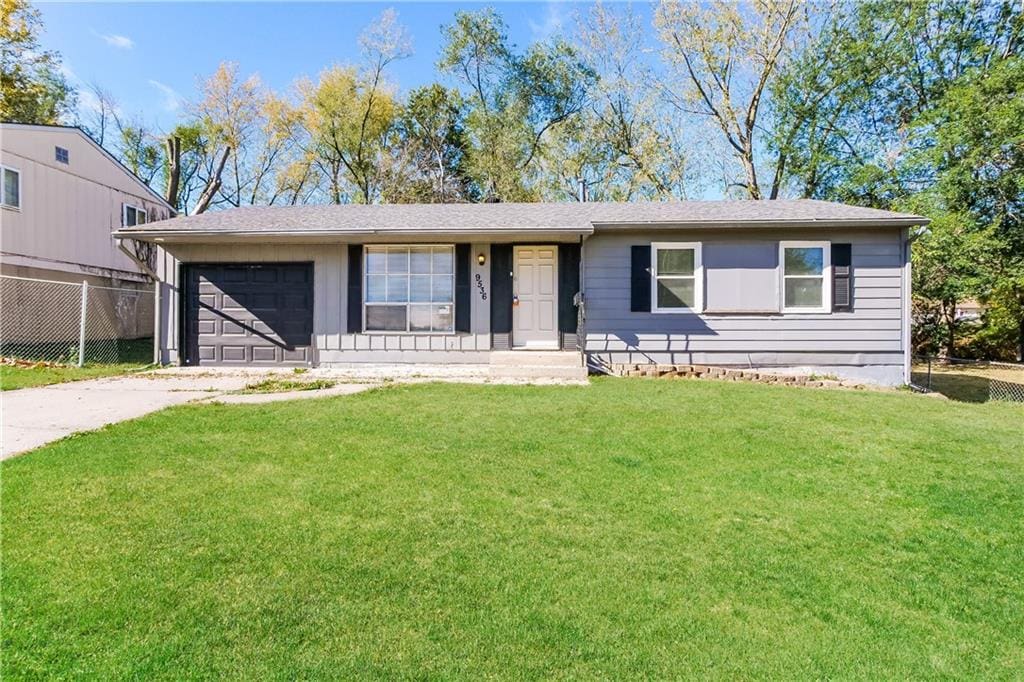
[[730, 374]]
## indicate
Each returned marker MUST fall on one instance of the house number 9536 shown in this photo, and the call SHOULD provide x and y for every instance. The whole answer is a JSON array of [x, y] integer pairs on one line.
[[480, 287]]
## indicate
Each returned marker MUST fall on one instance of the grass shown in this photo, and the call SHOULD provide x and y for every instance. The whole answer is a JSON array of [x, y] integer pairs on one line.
[[632, 528], [133, 354], [13, 377], [966, 383], [283, 385]]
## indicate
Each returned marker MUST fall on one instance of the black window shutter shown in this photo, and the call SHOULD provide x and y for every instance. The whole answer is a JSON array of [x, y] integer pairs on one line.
[[842, 277], [462, 288], [640, 279], [355, 288], [501, 288], [568, 286]]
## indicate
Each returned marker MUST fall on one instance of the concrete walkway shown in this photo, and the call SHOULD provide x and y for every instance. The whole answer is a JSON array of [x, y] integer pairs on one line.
[[31, 417]]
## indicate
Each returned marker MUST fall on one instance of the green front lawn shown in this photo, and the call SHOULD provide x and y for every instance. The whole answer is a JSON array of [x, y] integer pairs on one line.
[[633, 528]]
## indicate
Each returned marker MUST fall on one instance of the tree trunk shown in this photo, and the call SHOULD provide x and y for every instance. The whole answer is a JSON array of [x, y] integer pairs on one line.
[[1020, 341], [212, 185], [949, 315], [174, 170]]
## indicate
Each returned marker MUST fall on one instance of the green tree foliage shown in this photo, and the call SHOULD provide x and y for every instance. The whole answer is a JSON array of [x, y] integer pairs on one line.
[[978, 155], [513, 100], [429, 149], [919, 105], [32, 87]]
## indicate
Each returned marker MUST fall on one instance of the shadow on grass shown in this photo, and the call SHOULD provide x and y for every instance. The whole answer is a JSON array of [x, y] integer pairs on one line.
[[969, 388]]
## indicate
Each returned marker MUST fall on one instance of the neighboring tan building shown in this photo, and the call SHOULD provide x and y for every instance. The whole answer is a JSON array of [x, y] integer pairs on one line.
[[62, 196]]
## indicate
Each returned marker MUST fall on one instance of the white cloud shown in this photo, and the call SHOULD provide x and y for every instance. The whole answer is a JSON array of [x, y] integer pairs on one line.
[[172, 100], [118, 41], [554, 20]]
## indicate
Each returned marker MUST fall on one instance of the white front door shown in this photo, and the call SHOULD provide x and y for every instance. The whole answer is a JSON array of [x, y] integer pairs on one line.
[[535, 292]]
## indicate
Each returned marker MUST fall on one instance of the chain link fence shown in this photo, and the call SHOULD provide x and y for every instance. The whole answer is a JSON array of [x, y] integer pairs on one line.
[[975, 381], [75, 323]]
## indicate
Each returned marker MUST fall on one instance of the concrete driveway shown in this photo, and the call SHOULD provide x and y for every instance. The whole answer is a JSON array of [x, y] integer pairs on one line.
[[31, 417], [36, 416]]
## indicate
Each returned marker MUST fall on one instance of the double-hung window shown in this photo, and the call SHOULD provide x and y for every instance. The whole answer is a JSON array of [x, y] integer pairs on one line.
[[132, 216], [806, 276], [11, 187], [676, 277], [409, 289]]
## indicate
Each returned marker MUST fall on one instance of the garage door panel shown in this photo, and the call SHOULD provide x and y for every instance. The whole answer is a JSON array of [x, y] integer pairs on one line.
[[233, 273], [252, 313], [232, 328], [298, 355], [235, 301], [265, 275]]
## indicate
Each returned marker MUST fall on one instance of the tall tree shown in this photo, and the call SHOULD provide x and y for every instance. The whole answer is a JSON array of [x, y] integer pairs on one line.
[[32, 87], [430, 149], [514, 100], [977, 130], [728, 52], [845, 104], [636, 142], [349, 113]]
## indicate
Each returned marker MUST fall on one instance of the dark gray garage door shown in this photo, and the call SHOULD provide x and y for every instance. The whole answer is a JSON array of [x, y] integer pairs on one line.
[[249, 314]]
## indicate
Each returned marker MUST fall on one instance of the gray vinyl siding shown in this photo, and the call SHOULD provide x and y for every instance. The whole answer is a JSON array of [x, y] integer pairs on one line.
[[869, 335], [330, 305]]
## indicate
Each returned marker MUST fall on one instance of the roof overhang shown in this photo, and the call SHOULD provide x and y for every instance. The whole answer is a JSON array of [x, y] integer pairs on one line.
[[491, 234], [351, 236], [912, 221]]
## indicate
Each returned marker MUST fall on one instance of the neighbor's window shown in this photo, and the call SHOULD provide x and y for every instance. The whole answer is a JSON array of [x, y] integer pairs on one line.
[[133, 215], [61, 154], [805, 276], [11, 187], [409, 288], [676, 275]]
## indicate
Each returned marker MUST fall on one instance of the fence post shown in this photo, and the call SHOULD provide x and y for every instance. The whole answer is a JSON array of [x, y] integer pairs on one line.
[[929, 373], [81, 323]]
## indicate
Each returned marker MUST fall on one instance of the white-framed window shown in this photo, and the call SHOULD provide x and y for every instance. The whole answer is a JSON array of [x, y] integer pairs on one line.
[[10, 187], [61, 155], [409, 288], [677, 277], [132, 215], [806, 276]]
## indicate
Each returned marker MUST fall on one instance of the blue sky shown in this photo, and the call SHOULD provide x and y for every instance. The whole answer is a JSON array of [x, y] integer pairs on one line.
[[150, 55]]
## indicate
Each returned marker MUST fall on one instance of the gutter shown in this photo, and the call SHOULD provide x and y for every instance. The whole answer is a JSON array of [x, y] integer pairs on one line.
[[156, 296], [910, 221], [504, 232]]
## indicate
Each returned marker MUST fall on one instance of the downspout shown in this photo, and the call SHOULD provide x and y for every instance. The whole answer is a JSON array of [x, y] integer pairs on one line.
[[909, 236], [156, 297], [581, 311]]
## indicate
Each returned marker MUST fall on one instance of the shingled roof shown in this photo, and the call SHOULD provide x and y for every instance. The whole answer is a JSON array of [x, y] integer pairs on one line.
[[581, 218]]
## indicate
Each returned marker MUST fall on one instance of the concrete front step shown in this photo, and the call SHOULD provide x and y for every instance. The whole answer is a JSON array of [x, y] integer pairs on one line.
[[536, 358], [538, 372]]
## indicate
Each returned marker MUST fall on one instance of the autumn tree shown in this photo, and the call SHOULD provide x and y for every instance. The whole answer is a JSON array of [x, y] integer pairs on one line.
[[723, 55], [513, 100], [637, 144], [429, 149], [349, 113], [32, 87]]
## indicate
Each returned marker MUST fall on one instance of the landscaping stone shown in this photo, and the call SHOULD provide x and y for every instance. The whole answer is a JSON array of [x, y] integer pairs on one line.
[[732, 374]]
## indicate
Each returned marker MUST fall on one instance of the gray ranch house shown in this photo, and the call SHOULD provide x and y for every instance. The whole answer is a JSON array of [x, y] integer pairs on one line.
[[765, 284]]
